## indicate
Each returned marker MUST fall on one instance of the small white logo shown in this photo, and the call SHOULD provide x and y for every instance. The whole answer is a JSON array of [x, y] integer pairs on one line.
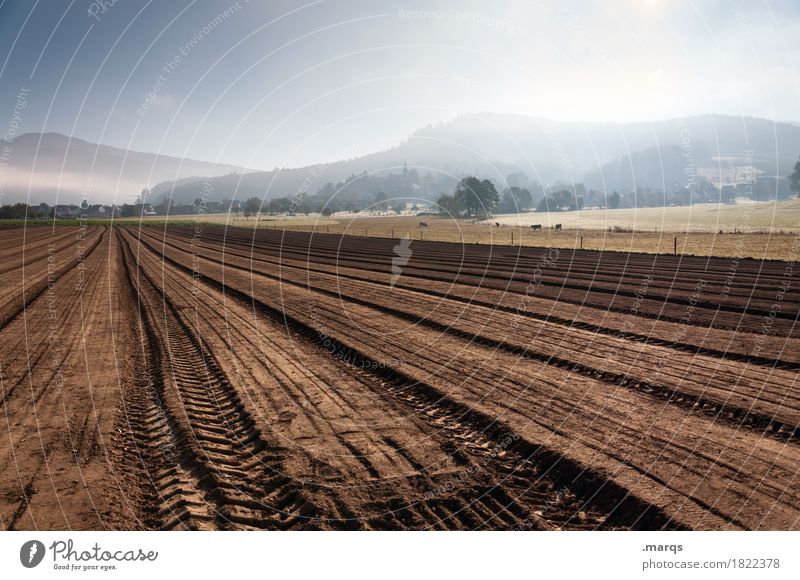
[[402, 255], [31, 553]]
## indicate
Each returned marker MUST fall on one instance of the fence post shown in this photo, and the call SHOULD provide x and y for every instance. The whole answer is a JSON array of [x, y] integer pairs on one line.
[[675, 246]]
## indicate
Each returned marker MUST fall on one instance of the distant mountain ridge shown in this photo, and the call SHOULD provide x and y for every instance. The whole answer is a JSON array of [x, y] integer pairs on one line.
[[604, 156], [54, 167]]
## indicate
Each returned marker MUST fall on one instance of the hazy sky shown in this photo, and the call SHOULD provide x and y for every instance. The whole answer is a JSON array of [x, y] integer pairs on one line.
[[275, 83]]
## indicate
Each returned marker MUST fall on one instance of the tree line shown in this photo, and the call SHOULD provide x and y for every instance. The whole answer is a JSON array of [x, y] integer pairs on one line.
[[474, 197]]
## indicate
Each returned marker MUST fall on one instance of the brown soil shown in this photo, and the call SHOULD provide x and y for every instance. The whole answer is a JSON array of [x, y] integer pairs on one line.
[[229, 379]]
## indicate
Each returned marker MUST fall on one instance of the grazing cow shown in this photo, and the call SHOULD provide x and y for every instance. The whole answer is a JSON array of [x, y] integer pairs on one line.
[[423, 225], [558, 227], [497, 224], [536, 227]]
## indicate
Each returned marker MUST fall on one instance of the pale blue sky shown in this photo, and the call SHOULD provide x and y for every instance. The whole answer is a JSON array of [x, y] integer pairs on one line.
[[291, 83]]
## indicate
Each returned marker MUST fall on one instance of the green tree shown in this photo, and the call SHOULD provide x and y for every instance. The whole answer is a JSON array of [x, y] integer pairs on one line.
[[476, 196], [614, 200], [523, 196], [15, 212], [565, 200], [794, 179], [279, 205], [467, 194], [252, 206], [490, 199], [515, 199], [449, 205], [381, 201], [303, 207], [544, 205], [164, 208]]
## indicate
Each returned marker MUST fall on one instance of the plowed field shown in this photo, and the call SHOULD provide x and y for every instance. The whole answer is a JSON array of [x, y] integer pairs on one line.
[[204, 378]]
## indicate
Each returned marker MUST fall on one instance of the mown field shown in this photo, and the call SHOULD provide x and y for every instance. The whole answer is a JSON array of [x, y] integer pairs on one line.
[[745, 216], [744, 230], [774, 246], [212, 378]]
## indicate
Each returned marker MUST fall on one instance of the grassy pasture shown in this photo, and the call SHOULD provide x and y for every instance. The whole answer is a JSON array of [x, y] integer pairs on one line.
[[745, 230], [705, 218]]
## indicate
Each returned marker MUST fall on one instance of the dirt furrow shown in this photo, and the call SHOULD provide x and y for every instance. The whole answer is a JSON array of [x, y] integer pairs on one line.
[[18, 294], [217, 444], [437, 487], [376, 362], [58, 419], [300, 308], [727, 390], [554, 281], [761, 348]]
